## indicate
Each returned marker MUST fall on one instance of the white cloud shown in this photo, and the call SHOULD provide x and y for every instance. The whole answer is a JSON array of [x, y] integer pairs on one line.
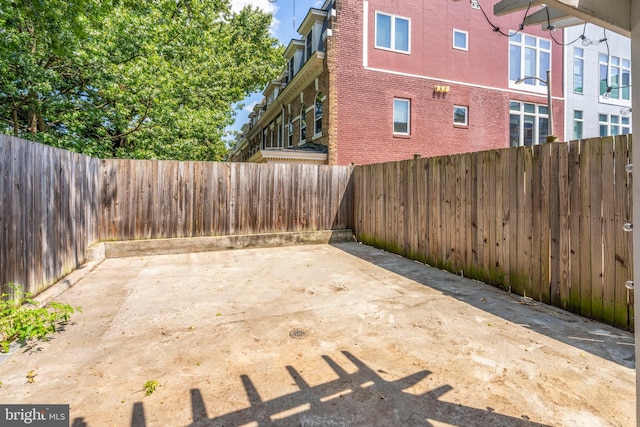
[[249, 108]]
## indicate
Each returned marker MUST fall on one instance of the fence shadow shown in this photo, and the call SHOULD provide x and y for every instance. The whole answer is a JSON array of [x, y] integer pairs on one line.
[[360, 398], [588, 335]]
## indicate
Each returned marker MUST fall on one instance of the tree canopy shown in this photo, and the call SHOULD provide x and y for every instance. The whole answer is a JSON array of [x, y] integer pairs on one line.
[[130, 78]]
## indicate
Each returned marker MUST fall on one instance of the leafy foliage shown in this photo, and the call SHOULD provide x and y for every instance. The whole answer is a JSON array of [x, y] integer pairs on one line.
[[150, 386], [129, 79], [19, 322]]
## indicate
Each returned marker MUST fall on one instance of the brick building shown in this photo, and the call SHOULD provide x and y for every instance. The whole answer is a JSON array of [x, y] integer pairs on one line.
[[382, 80]]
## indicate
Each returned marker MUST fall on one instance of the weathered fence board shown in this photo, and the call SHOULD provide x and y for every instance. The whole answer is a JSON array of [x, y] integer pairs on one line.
[[54, 204], [543, 221]]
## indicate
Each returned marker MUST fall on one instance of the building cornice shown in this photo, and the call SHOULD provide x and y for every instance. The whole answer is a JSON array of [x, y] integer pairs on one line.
[[313, 16], [288, 156]]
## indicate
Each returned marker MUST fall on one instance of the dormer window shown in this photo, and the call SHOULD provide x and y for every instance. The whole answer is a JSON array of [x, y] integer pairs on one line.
[[291, 69], [309, 41]]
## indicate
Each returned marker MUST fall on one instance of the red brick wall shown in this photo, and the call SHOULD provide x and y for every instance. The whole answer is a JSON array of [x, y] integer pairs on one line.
[[365, 97]]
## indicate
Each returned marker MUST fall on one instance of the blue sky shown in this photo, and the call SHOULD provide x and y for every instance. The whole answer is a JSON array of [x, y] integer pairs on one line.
[[283, 27]]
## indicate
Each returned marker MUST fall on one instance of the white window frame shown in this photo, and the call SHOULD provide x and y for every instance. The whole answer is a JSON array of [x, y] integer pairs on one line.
[[578, 121], [537, 116], [392, 42], [290, 131], [466, 115], [625, 125], [578, 59], [318, 98], [616, 94], [308, 43], [408, 103], [611, 123], [520, 40], [303, 125], [466, 40]]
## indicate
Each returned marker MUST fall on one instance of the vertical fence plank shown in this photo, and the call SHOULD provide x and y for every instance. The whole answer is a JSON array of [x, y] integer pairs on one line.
[[595, 167], [575, 219], [621, 215], [608, 232], [536, 198], [585, 230], [545, 223], [560, 274]]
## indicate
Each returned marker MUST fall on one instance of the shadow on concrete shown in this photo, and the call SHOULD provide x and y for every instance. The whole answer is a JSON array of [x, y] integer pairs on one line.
[[587, 335], [362, 398]]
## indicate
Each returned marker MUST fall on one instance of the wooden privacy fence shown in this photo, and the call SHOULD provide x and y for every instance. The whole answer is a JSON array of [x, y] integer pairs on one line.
[[54, 204], [545, 221]]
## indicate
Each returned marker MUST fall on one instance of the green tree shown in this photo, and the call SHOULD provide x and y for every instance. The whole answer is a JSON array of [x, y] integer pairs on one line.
[[130, 79]]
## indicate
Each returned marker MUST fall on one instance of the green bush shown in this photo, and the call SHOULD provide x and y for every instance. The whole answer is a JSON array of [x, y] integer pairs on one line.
[[22, 320]]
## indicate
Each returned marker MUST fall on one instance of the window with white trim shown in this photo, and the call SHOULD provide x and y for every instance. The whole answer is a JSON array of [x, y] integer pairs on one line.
[[613, 124], [625, 127], [460, 39], [303, 124], [309, 43], [578, 123], [392, 32], [615, 77], [401, 116], [279, 130], [578, 70], [460, 115], [290, 131], [317, 115], [529, 56], [528, 124]]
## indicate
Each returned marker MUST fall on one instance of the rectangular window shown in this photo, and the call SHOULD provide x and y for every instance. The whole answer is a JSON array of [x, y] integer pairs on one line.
[[401, 116], [392, 32], [460, 115], [626, 125], [578, 70], [460, 40], [615, 77], [577, 124], [612, 124], [528, 124], [291, 69], [529, 56], [317, 116], [309, 44], [303, 124]]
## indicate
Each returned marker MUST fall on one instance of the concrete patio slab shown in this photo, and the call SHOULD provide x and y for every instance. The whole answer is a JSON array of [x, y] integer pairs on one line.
[[318, 335]]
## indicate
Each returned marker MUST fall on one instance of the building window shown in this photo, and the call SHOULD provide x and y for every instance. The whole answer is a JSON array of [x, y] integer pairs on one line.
[[460, 40], [611, 124], [460, 115], [528, 124], [392, 32], [309, 44], [290, 131], [317, 116], [264, 139], [279, 131], [615, 77], [291, 69], [401, 115], [578, 70], [529, 56], [303, 124], [577, 124]]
